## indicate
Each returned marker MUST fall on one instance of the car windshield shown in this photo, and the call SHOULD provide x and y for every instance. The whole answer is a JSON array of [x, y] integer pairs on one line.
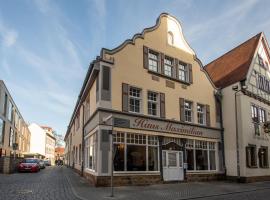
[[30, 161]]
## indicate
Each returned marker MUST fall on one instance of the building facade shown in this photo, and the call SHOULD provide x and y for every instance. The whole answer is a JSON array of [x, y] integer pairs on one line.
[[149, 107], [50, 142], [243, 75], [14, 132]]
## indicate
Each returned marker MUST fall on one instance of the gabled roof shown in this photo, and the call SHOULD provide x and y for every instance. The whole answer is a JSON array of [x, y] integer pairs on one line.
[[233, 66]]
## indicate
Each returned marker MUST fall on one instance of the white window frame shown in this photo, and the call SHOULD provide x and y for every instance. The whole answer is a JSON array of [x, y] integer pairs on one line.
[[151, 101], [188, 110], [135, 98], [153, 58], [168, 67], [182, 72], [201, 114]]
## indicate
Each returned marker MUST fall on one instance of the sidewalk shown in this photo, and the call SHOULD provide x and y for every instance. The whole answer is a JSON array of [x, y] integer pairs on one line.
[[180, 191]]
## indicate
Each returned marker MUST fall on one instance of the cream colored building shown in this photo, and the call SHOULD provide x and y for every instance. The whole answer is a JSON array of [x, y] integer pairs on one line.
[[49, 144], [153, 94], [243, 75]]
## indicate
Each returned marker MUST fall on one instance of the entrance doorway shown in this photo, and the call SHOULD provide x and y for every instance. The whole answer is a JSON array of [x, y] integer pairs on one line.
[[172, 165]]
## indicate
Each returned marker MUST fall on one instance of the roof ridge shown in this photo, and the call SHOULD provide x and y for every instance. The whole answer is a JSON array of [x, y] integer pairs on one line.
[[234, 48]]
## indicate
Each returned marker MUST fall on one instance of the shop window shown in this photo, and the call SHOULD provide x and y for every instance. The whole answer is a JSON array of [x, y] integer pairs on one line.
[[212, 155], [201, 155], [168, 66], [152, 100], [90, 152], [188, 111], [263, 157], [251, 156], [153, 61], [141, 152], [197, 156], [134, 100]]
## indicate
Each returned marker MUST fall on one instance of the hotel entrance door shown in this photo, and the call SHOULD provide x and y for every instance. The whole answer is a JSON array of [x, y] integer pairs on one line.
[[172, 165]]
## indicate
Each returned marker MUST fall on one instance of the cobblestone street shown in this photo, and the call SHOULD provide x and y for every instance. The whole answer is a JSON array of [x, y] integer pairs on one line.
[[48, 184], [57, 183]]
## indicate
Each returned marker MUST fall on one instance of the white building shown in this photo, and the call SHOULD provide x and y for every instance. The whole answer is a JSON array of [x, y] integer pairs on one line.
[[38, 139], [243, 76]]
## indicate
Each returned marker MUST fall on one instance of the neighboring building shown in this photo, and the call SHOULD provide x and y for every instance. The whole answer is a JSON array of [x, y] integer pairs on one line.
[[153, 91], [13, 131], [42, 142], [38, 139], [243, 75], [49, 144], [59, 153]]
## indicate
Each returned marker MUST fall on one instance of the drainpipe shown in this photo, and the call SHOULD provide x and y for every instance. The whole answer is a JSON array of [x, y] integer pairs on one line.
[[219, 99]]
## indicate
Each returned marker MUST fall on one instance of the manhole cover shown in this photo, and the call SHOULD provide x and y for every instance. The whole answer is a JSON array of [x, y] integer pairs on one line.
[[24, 191]]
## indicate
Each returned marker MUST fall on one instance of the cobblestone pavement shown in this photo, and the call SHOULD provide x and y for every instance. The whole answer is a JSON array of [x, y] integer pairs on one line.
[[48, 184], [61, 183], [178, 191]]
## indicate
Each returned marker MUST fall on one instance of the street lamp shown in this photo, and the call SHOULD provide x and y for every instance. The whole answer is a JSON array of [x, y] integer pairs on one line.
[[236, 89], [105, 120]]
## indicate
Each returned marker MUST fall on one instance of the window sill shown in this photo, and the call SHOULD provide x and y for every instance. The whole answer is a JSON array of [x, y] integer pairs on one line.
[[252, 167], [168, 77], [119, 173]]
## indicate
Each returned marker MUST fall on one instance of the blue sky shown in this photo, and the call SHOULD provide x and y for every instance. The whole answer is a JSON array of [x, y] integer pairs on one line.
[[47, 45]]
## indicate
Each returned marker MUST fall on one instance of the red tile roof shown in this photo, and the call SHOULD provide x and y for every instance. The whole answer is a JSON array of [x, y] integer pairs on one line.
[[233, 66]]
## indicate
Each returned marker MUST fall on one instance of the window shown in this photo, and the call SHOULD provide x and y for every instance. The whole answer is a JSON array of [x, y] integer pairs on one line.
[[258, 116], [263, 157], [260, 59], [2, 129], [153, 61], [182, 72], [170, 38], [77, 121], [251, 156], [168, 65], [188, 111], [201, 155], [90, 152], [10, 111], [11, 137], [141, 152], [134, 99], [264, 83], [152, 99], [201, 113]]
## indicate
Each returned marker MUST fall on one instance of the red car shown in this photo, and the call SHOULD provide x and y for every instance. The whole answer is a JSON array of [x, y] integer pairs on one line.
[[29, 164]]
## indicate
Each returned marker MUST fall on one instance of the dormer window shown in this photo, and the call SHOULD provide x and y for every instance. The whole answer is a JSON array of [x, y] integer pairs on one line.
[[170, 38]]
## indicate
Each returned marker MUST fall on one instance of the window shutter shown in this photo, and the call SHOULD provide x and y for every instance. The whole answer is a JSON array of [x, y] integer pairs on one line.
[[145, 57], [175, 75], [124, 97], [207, 107], [162, 105], [161, 63], [182, 109], [190, 73]]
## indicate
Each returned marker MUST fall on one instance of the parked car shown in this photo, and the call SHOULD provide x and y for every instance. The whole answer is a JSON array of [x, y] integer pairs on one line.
[[41, 164], [47, 162], [29, 164]]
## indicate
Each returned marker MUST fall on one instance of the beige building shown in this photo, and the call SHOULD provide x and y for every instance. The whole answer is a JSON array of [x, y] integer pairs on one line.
[[243, 75], [153, 94], [14, 132], [49, 144]]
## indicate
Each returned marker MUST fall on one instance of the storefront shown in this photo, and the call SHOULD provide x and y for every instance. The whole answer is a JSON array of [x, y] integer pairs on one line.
[[147, 151]]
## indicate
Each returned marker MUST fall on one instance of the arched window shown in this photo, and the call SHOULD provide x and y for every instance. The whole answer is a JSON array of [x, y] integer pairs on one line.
[[170, 38]]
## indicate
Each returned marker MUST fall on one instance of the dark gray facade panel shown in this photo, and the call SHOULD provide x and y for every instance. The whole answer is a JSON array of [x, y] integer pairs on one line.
[[106, 84], [105, 148]]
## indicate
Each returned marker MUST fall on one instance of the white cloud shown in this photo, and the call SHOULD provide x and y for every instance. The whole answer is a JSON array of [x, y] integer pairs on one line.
[[7, 35]]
